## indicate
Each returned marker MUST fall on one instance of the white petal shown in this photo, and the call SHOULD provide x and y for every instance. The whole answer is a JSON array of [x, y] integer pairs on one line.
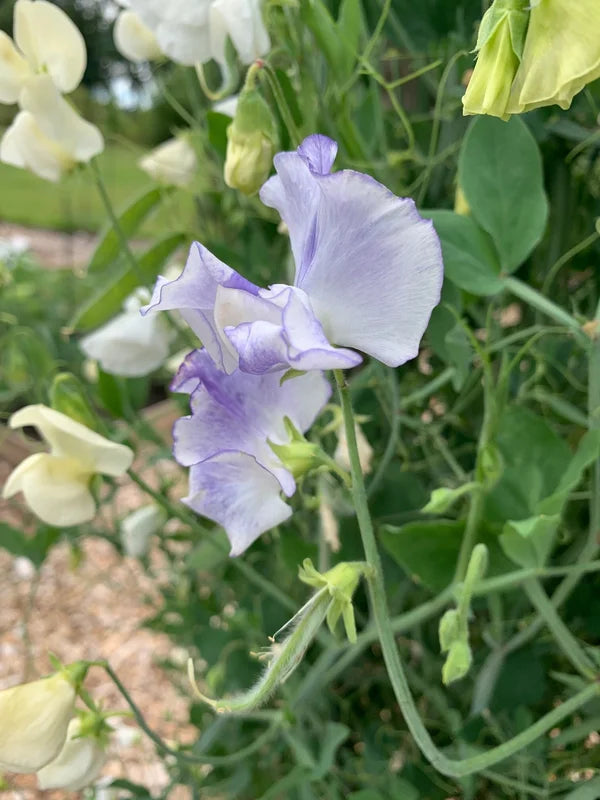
[[173, 162], [131, 345], [133, 39], [25, 145], [55, 489], [180, 27], [241, 20], [73, 440], [35, 717], [59, 121], [51, 42], [139, 527], [14, 70], [77, 765]]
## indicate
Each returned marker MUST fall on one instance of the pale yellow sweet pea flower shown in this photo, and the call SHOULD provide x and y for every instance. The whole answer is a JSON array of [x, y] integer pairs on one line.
[[134, 39], [56, 484], [172, 163], [77, 765], [48, 137], [47, 42], [561, 54], [34, 720]]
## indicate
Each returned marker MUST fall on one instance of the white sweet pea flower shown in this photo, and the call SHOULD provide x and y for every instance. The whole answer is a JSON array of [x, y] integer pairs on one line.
[[173, 162], [139, 527], [133, 39], [191, 33], [47, 42], [35, 717], [228, 106], [78, 764], [130, 345], [56, 484], [48, 137]]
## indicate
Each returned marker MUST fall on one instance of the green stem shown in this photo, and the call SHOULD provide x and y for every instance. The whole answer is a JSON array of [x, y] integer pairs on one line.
[[190, 758], [282, 104], [533, 298], [565, 639], [441, 762]]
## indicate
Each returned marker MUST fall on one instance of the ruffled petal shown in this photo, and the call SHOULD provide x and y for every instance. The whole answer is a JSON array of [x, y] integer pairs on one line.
[[236, 492], [241, 412], [55, 489], [51, 42], [295, 341], [70, 439], [193, 294], [14, 70], [370, 265]]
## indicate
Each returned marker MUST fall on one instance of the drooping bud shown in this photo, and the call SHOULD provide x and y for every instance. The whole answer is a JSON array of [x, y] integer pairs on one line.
[[298, 455], [252, 139], [499, 47]]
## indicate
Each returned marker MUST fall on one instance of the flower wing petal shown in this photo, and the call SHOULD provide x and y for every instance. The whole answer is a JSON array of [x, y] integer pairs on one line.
[[235, 491]]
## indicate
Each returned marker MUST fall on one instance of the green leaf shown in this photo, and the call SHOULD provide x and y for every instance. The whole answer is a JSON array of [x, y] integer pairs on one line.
[[590, 790], [500, 173], [109, 245], [35, 547], [528, 542], [470, 260], [428, 550], [330, 740], [460, 354], [586, 454], [208, 555], [108, 301], [217, 125]]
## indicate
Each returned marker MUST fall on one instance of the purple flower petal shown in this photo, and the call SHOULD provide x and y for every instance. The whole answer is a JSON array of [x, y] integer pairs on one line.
[[193, 294], [240, 412], [234, 490], [318, 152], [370, 265]]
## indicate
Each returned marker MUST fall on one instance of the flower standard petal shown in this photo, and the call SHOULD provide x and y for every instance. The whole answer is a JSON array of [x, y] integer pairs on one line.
[[193, 294], [370, 265], [14, 70], [73, 440], [51, 42], [241, 20], [234, 490], [181, 28]]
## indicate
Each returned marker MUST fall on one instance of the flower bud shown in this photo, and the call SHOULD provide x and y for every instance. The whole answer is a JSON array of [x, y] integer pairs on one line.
[[457, 663], [365, 451], [251, 140], [499, 47], [298, 455], [67, 396], [35, 717], [81, 758]]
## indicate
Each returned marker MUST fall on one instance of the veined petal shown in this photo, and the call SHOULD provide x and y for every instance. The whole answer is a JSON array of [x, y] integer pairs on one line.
[[58, 120], [370, 265], [73, 440], [55, 489], [51, 42], [14, 70], [241, 412], [241, 20], [235, 491], [133, 39], [24, 145], [193, 294], [288, 336]]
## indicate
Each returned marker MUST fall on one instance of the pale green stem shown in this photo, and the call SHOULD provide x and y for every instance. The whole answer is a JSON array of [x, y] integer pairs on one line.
[[441, 762], [565, 639]]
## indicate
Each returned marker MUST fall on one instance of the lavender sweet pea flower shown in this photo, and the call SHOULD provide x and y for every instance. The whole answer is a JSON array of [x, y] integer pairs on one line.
[[368, 275], [235, 477]]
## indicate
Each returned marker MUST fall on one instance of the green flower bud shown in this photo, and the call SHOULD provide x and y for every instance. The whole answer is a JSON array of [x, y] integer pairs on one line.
[[457, 663], [499, 48], [251, 139], [67, 396]]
